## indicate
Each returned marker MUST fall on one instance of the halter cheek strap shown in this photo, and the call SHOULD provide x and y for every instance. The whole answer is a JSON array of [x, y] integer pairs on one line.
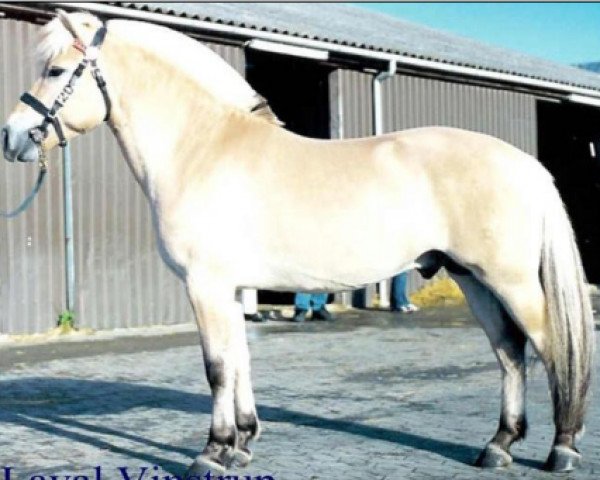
[[39, 133]]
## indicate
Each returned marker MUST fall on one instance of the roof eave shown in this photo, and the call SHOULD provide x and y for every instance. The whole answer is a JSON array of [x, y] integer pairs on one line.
[[417, 63]]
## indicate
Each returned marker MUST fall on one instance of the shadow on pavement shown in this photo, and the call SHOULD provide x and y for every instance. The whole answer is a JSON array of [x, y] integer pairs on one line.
[[49, 404]]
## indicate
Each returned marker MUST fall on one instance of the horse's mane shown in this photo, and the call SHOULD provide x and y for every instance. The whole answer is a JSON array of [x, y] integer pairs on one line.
[[196, 60]]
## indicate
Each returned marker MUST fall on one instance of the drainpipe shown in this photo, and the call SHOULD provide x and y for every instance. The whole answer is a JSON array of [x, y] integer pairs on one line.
[[384, 286], [68, 229]]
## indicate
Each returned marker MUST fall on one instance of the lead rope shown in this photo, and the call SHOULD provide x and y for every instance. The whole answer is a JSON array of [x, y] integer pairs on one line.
[[43, 164]]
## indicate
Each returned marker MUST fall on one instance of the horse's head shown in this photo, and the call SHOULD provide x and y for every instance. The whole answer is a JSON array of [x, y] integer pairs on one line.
[[68, 98]]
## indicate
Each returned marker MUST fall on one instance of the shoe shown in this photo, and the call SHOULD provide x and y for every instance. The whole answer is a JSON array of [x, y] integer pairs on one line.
[[255, 317], [299, 315], [322, 314], [413, 308], [408, 308]]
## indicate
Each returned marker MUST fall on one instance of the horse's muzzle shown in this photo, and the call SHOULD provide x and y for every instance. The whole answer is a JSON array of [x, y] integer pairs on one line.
[[17, 144]]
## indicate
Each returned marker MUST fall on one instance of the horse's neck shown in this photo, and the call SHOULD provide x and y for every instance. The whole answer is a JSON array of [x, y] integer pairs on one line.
[[162, 119]]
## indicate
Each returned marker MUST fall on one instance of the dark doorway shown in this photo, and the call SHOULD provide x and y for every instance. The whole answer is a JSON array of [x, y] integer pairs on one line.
[[569, 146], [297, 90]]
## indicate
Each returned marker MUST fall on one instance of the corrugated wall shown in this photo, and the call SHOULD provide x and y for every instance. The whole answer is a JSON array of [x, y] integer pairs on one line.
[[120, 279], [31, 246], [410, 101], [357, 103], [416, 102]]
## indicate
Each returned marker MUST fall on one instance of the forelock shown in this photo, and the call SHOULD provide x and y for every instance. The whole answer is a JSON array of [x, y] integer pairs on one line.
[[55, 39]]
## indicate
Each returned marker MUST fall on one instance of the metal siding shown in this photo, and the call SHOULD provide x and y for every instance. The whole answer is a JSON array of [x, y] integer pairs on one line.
[[121, 281], [232, 55], [31, 258], [411, 101], [357, 103]]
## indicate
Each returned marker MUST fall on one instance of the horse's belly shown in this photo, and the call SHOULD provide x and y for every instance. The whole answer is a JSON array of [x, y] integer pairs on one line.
[[347, 251]]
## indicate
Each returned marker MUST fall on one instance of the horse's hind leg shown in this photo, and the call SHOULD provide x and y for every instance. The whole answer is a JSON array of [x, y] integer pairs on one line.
[[219, 321], [527, 304], [508, 343]]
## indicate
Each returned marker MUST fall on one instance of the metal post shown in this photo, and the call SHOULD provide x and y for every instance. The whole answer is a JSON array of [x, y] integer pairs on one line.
[[384, 296], [68, 228]]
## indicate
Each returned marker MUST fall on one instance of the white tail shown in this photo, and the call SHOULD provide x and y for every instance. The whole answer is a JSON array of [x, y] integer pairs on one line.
[[571, 323]]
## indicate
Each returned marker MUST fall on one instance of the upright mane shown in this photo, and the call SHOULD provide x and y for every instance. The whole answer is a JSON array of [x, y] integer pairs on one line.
[[196, 60]]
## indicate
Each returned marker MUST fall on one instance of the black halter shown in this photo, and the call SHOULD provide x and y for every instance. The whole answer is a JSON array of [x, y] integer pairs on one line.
[[39, 133]]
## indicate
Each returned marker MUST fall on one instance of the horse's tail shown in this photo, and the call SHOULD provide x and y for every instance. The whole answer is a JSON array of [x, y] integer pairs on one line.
[[570, 346]]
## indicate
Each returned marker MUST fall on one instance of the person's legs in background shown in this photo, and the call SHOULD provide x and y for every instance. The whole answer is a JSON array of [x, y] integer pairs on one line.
[[301, 306], [303, 302], [320, 312], [399, 301]]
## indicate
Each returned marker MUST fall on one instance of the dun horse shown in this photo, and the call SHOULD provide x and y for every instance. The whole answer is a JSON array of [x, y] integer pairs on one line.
[[240, 202]]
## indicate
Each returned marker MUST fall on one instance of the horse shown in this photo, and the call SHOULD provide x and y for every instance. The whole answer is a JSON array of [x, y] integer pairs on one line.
[[238, 202]]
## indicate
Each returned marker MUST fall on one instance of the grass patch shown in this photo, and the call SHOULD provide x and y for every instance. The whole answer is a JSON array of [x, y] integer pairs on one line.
[[438, 293], [66, 322]]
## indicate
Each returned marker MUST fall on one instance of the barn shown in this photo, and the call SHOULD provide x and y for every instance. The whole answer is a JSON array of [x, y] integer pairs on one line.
[[328, 71]]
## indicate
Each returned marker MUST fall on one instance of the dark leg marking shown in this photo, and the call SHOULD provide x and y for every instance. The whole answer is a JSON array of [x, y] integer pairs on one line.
[[247, 423], [221, 446], [215, 372], [496, 453], [248, 428], [509, 434], [221, 440]]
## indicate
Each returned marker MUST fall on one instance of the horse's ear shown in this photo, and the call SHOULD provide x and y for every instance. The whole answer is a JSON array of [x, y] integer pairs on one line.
[[69, 24]]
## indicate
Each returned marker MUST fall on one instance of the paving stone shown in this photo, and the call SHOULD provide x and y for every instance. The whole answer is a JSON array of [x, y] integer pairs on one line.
[[373, 396]]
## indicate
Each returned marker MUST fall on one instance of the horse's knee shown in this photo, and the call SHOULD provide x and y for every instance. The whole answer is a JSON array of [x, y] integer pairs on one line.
[[215, 372]]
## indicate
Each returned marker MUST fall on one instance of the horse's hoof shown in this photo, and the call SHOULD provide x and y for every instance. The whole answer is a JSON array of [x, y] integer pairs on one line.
[[242, 457], [201, 467], [563, 459], [493, 456]]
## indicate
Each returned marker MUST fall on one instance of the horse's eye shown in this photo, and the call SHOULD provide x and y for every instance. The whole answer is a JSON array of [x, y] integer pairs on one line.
[[55, 72]]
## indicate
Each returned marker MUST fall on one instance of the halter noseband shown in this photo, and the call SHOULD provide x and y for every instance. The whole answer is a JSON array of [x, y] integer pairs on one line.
[[39, 133]]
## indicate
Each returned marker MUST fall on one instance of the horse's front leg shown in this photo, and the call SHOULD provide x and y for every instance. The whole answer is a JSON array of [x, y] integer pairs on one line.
[[220, 322], [245, 409]]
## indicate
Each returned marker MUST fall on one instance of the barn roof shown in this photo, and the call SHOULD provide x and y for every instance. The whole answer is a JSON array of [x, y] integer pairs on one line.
[[357, 27]]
